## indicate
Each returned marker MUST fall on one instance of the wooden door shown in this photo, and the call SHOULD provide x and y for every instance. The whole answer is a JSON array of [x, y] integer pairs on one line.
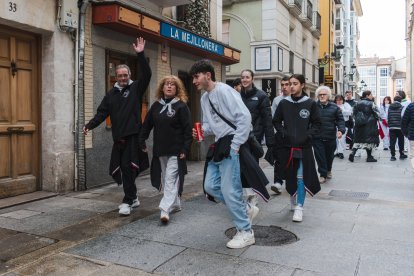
[[19, 113]]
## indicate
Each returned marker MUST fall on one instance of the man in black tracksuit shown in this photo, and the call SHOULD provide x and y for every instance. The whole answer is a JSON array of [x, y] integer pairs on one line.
[[332, 126], [394, 123], [123, 104]]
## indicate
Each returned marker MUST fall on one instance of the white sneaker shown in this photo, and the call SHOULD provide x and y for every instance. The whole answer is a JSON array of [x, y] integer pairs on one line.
[[124, 209], [253, 200], [292, 203], [276, 187], [165, 218], [135, 204], [298, 214], [252, 212], [241, 239]]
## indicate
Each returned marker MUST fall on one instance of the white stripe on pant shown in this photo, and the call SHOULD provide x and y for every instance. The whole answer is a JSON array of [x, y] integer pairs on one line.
[[170, 181]]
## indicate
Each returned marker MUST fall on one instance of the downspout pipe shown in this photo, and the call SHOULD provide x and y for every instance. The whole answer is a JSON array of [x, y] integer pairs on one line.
[[80, 120]]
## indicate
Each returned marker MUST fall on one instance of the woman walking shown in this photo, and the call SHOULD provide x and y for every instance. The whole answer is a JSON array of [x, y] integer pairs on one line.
[[384, 122], [297, 121], [366, 126], [346, 112], [171, 120]]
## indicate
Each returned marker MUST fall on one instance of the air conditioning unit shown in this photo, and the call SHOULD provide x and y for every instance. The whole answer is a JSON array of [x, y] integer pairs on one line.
[[69, 14]]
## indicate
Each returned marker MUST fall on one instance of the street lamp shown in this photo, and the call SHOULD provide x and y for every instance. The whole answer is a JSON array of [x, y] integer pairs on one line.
[[351, 73], [335, 55]]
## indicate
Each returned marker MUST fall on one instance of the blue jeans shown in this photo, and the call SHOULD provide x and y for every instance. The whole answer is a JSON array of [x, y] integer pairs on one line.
[[301, 193], [223, 182]]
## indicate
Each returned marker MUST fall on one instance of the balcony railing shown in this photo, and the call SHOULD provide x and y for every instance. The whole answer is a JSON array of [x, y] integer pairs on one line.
[[295, 6], [298, 3]]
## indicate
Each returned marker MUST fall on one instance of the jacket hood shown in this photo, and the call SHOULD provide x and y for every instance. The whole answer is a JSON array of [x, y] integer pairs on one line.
[[395, 105]]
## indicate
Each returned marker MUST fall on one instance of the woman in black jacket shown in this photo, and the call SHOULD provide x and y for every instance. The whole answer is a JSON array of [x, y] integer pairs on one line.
[[258, 103], [171, 120], [366, 126]]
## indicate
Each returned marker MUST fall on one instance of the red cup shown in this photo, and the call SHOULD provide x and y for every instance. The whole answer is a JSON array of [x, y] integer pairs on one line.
[[199, 132]]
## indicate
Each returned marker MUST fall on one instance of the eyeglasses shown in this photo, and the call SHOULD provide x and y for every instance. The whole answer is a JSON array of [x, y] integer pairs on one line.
[[169, 83], [322, 95], [122, 76]]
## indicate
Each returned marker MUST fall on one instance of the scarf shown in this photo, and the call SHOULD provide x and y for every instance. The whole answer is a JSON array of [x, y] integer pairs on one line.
[[168, 105]]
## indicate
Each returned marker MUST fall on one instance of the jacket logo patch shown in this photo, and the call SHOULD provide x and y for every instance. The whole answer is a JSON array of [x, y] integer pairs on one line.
[[255, 99], [304, 113], [125, 94], [171, 113]]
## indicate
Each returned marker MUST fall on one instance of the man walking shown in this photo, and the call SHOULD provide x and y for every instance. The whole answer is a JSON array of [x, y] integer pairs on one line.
[[332, 127], [123, 104], [394, 124], [222, 176], [277, 168]]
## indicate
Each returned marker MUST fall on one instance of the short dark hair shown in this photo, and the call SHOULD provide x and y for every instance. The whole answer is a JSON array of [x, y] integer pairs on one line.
[[299, 77], [402, 94], [203, 66], [285, 78], [236, 82], [248, 70], [397, 99], [348, 91], [366, 93]]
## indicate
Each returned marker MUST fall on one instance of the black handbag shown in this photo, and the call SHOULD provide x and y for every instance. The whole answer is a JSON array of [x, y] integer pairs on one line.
[[255, 147]]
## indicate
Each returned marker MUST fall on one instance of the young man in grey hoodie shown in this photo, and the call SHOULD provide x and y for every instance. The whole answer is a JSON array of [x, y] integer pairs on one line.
[[222, 177]]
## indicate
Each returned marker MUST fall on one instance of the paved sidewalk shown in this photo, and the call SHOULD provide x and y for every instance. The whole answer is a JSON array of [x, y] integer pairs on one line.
[[361, 223]]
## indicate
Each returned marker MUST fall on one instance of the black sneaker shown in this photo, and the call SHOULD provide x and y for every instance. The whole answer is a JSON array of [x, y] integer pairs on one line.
[[393, 158], [351, 157], [403, 156], [341, 155], [385, 148], [371, 159]]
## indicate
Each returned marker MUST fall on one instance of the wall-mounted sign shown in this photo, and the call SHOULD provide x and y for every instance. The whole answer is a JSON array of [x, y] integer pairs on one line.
[[186, 37], [329, 80], [269, 86], [262, 58]]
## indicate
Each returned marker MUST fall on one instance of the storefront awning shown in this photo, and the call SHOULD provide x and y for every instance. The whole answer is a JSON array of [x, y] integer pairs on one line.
[[127, 20]]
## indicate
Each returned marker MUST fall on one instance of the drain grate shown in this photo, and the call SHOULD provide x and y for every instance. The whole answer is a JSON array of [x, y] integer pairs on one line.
[[268, 235], [349, 194]]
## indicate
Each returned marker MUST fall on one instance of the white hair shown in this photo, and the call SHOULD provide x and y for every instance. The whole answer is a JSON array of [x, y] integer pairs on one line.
[[323, 88]]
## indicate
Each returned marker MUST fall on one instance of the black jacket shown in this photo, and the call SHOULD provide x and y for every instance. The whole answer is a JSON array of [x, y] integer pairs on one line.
[[394, 115], [258, 104], [297, 121], [172, 131], [124, 106], [351, 102], [366, 122], [331, 120], [407, 123]]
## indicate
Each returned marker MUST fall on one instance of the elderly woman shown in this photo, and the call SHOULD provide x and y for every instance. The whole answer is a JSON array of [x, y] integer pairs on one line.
[[171, 120], [366, 116], [332, 127]]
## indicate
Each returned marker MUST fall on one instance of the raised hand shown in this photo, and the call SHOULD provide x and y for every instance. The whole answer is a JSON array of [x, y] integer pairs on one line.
[[139, 45]]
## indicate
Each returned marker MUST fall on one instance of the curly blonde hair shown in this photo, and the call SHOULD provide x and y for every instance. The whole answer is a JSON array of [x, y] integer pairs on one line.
[[180, 89]]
